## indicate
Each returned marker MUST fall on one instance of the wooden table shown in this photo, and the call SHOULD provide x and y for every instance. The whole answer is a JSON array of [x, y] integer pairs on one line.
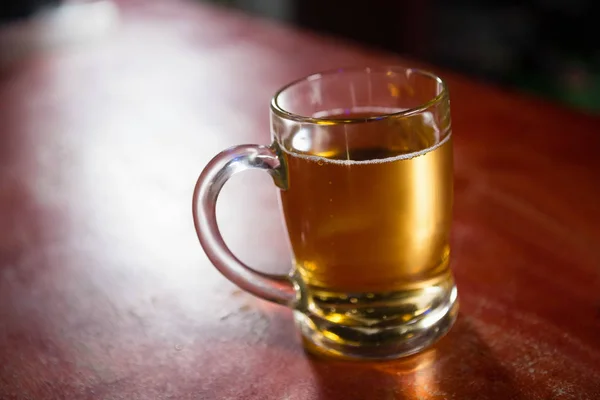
[[105, 292]]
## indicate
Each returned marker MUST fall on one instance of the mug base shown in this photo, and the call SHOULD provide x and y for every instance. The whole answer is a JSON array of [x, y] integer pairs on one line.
[[381, 339]]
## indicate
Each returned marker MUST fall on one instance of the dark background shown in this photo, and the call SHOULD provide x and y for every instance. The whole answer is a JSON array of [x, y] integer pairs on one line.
[[546, 47]]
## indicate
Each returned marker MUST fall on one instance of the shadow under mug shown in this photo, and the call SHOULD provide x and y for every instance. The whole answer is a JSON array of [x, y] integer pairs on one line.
[[363, 162]]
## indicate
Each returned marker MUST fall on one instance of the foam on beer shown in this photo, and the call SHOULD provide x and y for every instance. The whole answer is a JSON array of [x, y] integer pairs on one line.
[[384, 111]]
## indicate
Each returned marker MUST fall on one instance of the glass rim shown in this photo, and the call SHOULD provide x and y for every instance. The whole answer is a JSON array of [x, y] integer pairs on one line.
[[277, 109]]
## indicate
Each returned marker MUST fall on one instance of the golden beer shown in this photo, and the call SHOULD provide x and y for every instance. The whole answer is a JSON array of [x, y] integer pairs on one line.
[[368, 208], [372, 216]]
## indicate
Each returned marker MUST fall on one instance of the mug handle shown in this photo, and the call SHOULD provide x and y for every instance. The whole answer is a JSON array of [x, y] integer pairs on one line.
[[276, 288]]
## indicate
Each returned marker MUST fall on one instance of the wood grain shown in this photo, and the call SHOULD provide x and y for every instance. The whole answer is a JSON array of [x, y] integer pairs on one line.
[[106, 294]]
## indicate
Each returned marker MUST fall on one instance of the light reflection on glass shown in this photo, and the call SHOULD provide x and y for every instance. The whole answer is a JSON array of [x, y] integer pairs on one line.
[[302, 140]]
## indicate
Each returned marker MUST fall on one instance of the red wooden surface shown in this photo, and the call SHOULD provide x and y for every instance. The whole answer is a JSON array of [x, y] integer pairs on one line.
[[105, 292]]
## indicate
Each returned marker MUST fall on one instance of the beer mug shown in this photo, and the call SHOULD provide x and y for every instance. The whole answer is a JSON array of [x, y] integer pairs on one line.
[[362, 159]]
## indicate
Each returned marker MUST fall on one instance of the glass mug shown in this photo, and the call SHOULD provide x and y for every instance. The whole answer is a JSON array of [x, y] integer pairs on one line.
[[363, 161]]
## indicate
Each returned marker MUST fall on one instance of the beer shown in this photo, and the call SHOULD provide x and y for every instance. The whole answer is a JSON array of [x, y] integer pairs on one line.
[[363, 161], [367, 207]]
